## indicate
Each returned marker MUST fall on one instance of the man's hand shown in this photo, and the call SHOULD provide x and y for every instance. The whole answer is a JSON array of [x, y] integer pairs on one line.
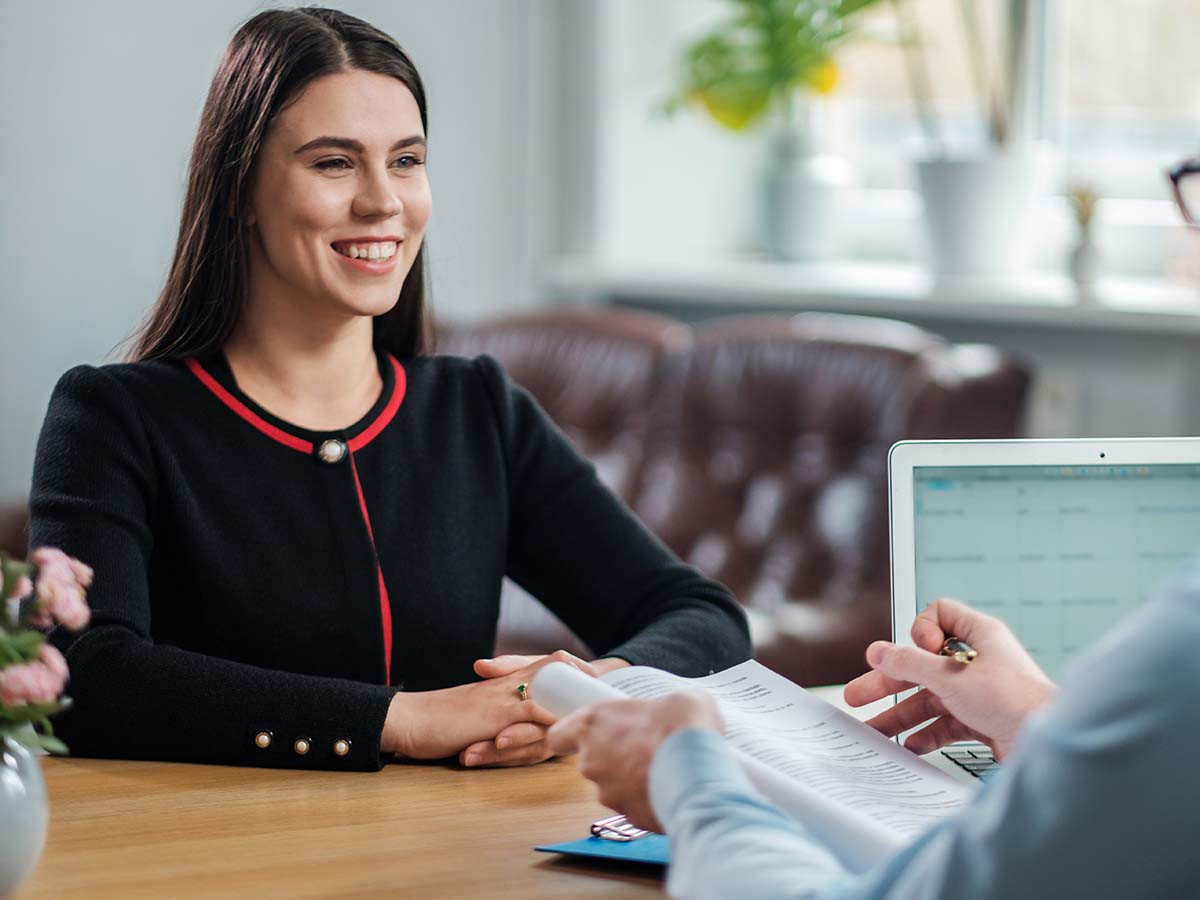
[[986, 700], [617, 740]]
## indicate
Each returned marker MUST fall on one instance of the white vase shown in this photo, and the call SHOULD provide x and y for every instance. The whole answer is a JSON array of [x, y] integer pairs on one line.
[[23, 814], [980, 211], [802, 199], [1084, 265]]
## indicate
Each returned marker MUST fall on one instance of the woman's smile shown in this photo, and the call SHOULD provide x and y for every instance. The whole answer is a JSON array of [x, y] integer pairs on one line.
[[372, 256]]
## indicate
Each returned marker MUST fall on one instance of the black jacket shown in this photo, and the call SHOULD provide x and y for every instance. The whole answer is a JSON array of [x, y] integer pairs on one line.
[[246, 583]]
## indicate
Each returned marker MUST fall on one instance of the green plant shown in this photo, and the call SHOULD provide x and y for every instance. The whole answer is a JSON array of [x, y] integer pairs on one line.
[[51, 588], [755, 62]]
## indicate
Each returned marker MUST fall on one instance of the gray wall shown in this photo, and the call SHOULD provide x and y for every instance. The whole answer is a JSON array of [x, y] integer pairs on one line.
[[99, 103]]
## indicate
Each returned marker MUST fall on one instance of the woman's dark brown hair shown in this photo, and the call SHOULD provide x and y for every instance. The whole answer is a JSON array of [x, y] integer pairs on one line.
[[270, 60]]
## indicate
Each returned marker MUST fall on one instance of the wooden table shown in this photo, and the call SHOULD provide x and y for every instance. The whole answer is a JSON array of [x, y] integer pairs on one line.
[[165, 830]]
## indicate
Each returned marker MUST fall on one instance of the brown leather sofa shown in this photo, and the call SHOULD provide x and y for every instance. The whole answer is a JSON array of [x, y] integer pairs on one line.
[[756, 448], [14, 528]]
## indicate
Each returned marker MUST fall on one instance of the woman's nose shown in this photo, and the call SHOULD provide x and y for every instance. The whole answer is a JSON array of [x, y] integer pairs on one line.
[[377, 198]]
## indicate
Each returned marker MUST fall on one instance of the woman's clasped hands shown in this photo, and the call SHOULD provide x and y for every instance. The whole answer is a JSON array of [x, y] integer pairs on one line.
[[486, 723]]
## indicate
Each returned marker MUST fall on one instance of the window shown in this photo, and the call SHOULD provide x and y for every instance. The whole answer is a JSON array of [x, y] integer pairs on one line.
[[1115, 87], [1127, 103]]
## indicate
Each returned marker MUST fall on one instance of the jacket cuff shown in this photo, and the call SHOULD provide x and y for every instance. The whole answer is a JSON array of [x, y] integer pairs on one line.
[[342, 738]]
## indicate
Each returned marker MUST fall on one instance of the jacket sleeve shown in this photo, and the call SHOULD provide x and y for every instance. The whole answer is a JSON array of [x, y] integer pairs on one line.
[[577, 548], [93, 496]]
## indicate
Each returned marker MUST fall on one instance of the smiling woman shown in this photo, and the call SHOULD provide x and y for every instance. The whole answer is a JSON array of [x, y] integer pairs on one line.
[[327, 208], [299, 519]]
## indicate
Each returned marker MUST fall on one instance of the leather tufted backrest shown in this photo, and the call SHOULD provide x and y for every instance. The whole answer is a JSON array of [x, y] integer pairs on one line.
[[767, 461], [14, 528], [593, 370], [768, 456]]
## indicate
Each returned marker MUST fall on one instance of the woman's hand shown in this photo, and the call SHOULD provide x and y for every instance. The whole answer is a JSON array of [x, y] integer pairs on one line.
[[986, 700], [437, 724], [523, 743], [617, 740]]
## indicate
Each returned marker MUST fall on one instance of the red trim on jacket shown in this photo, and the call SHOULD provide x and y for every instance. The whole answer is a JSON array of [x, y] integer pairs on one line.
[[385, 606], [388, 413], [246, 413], [357, 443]]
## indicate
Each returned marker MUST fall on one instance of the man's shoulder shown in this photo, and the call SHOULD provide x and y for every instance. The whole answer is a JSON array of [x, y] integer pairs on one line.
[[1145, 671]]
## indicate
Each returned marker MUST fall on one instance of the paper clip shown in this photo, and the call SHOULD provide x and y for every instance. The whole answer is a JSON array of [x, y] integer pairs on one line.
[[617, 828]]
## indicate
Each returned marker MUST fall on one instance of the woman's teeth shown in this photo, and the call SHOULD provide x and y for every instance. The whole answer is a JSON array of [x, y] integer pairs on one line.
[[384, 250]]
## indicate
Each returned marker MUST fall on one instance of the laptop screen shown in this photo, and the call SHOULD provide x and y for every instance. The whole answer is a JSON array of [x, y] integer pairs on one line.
[[1060, 553]]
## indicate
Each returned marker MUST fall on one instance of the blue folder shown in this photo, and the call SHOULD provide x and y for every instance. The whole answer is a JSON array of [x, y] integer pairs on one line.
[[653, 848]]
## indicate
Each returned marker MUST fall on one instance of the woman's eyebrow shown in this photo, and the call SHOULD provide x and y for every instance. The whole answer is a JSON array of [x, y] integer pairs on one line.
[[341, 143]]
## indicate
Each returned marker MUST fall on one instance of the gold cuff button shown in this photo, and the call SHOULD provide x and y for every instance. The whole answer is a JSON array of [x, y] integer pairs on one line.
[[341, 747], [262, 740], [302, 746]]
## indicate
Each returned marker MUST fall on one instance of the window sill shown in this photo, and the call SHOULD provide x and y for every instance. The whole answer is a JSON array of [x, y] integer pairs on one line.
[[898, 290]]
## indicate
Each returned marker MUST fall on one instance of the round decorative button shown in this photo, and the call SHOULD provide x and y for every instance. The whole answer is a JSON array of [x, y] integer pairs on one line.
[[262, 740], [332, 451], [341, 747], [301, 746]]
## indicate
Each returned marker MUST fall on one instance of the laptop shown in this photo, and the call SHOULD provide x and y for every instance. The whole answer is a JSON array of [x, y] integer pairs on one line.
[[1059, 538]]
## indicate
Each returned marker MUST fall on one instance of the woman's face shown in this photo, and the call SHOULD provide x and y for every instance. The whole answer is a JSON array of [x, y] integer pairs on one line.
[[340, 199]]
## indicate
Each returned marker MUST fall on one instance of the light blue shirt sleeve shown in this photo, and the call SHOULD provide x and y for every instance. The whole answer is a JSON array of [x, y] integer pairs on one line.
[[1100, 798]]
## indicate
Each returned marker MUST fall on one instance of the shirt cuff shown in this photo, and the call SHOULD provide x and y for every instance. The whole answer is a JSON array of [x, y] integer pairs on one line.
[[687, 761]]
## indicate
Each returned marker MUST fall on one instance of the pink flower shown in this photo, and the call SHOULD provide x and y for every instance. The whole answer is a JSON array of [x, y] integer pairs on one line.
[[51, 556], [53, 660], [60, 586], [35, 682]]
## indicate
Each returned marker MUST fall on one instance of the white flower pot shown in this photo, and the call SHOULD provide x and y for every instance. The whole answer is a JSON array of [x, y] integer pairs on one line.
[[980, 211], [802, 200], [23, 814]]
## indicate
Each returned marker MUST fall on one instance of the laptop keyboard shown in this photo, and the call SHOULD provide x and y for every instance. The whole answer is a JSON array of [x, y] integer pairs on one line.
[[976, 758]]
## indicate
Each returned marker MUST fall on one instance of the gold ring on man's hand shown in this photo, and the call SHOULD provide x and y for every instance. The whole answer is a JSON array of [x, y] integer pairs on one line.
[[523, 691]]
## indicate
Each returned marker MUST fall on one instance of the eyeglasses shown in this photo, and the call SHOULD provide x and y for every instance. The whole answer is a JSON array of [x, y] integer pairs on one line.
[[1185, 179]]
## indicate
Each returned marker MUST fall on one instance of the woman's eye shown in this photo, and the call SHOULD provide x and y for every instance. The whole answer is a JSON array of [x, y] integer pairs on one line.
[[336, 163]]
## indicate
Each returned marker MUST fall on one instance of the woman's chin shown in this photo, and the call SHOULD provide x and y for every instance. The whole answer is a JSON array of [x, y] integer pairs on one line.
[[361, 306]]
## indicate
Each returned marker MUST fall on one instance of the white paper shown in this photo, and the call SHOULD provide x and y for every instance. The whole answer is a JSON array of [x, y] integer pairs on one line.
[[861, 793]]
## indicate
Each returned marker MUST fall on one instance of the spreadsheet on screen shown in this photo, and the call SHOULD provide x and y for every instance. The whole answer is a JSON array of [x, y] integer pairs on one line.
[[1058, 552]]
